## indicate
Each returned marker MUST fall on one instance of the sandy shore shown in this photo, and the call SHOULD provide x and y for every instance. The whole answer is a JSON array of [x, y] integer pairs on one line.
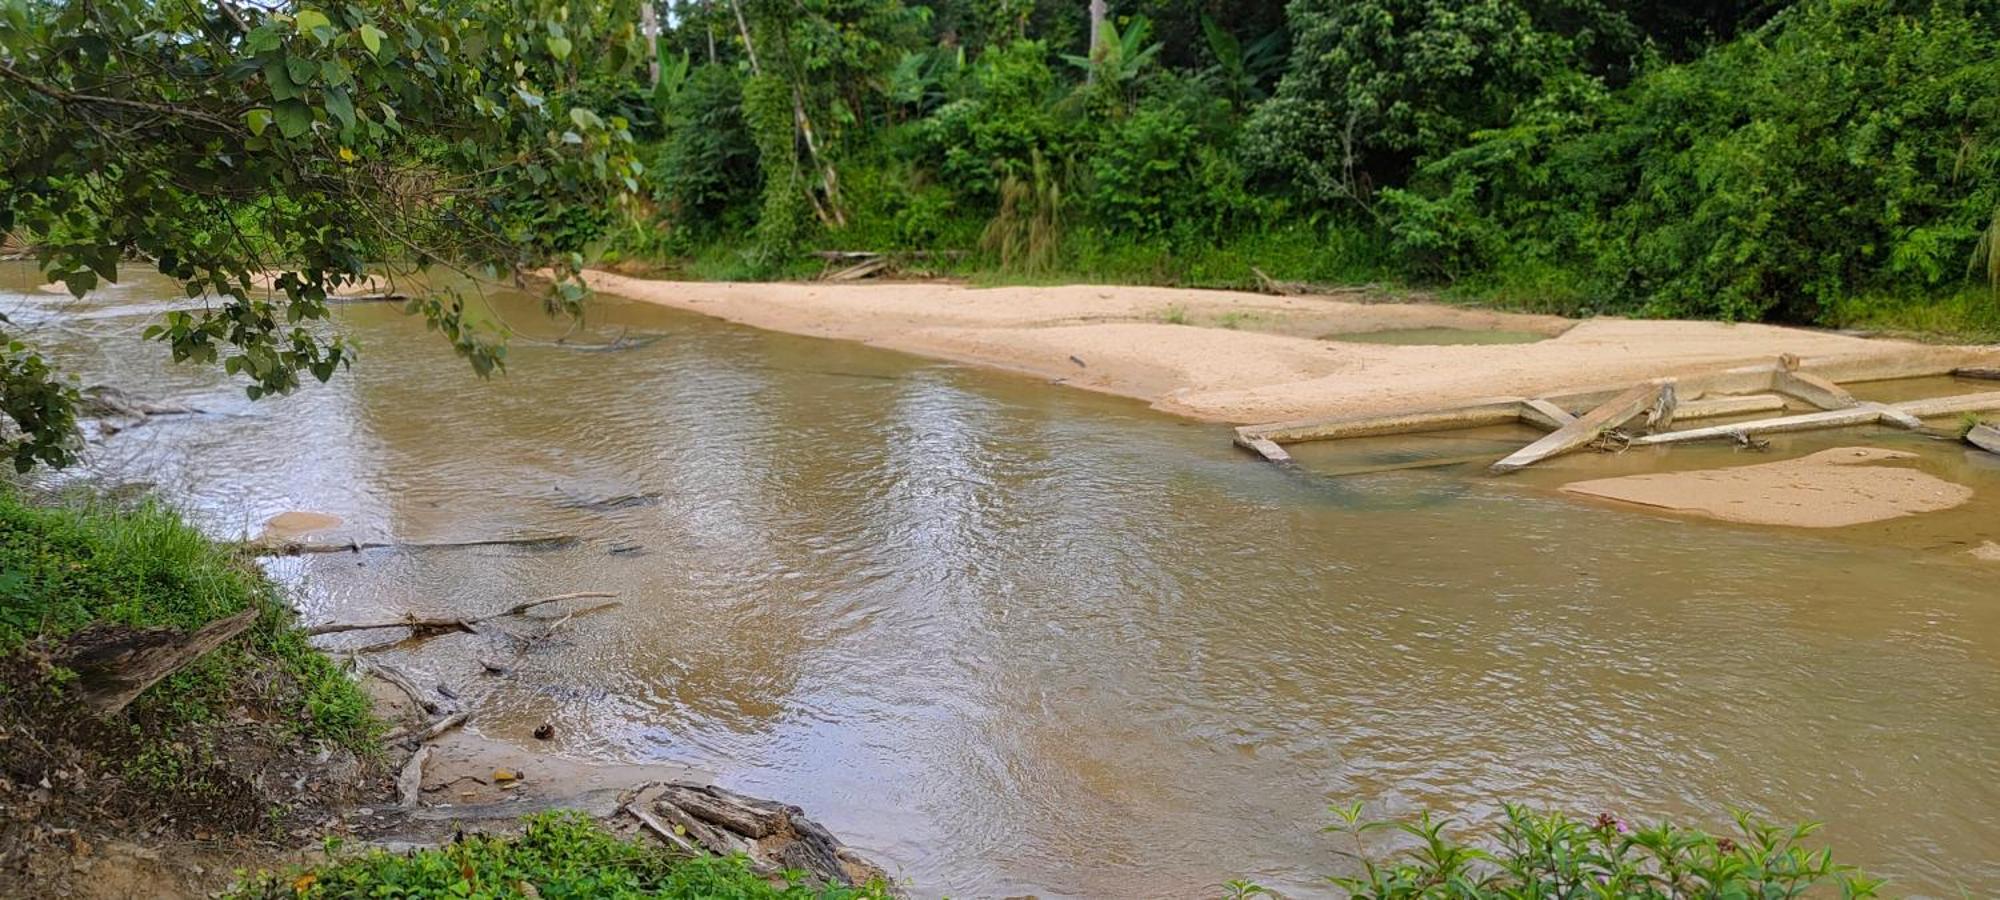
[[1238, 357]]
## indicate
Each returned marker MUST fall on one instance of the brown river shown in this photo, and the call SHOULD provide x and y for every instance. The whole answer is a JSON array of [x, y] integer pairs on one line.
[[1007, 638]]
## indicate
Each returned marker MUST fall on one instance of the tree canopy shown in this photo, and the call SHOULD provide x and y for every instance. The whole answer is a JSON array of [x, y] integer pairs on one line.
[[220, 141]]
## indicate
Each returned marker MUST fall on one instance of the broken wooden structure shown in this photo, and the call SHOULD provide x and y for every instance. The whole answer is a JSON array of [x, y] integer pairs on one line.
[[1646, 414], [114, 664]]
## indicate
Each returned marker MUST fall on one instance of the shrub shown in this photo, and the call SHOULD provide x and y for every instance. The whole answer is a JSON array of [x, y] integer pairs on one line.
[[707, 165], [559, 855], [1551, 855]]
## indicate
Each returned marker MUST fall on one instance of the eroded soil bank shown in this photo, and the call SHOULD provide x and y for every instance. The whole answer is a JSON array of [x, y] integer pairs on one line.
[[1239, 357]]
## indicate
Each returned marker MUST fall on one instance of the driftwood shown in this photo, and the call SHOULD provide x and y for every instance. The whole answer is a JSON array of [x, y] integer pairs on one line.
[[395, 678], [1984, 373], [410, 782], [297, 548], [105, 400], [115, 664], [857, 271], [775, 836], [430, 626]]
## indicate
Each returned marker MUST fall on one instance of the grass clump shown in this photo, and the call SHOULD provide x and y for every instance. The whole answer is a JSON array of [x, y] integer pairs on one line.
[[251, 739], [64, 567], [561, 854]]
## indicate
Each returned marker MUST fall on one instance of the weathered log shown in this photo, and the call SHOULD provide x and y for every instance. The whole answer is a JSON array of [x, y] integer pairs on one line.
[[1985, 437], [1617, 411], [116, 664], [1837, 418], [775, 836], [857, 271], [1984, 373], [1545, 414]]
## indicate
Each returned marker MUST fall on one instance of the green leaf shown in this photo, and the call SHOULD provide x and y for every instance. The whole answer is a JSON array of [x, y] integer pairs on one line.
[[371, 37], [585, 118], [340, 107], [309, 19], [258, 119], [559, 47], [294, 118]]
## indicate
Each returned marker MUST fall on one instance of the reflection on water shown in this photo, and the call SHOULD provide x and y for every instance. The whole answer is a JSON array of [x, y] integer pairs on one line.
[[1012, 639]]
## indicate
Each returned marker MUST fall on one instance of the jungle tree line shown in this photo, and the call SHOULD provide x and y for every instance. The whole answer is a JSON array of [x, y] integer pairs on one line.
[[1745, 160]]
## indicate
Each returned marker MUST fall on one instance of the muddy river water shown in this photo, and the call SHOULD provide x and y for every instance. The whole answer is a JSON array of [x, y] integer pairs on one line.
[[1010, 639]]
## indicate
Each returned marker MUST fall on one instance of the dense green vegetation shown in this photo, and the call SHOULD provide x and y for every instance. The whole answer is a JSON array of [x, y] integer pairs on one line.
[[558, 855], [1829, 161], [1552, 855], [64, 567], [1815, 161]]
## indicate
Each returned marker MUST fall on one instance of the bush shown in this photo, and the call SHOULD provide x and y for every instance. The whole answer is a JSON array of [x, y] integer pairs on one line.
[[1851, 147], [1551, 855], [559, 855]]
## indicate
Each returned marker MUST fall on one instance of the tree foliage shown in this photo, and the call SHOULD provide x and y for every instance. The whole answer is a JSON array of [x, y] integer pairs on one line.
[[219, 142]]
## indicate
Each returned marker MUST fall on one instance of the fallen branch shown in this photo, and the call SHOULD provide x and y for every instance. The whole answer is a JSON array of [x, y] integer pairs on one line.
[[443, 725], [297, 548], [469, 626], [410, 782], [654, 825]]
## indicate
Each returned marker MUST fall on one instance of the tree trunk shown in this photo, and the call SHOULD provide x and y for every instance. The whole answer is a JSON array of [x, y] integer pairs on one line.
[[649, 25], [1097, 17]]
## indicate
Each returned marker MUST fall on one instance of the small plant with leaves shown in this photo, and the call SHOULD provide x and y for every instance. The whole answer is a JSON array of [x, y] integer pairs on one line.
[[1551, 854]]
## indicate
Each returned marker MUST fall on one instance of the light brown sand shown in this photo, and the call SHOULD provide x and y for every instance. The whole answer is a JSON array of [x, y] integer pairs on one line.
[[1829, 489], [1274, 364], [295, 524]]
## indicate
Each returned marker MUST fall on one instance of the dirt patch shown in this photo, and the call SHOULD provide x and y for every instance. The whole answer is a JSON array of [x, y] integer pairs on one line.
[[1830, 489], [1238, 357], [294, 524], [82, 812]]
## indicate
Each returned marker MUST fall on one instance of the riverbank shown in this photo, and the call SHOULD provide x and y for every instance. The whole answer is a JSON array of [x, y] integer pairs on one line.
[[1245, 358]]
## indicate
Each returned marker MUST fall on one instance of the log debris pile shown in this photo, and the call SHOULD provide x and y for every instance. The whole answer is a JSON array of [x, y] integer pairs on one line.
[[1645, 414], [697, 818]]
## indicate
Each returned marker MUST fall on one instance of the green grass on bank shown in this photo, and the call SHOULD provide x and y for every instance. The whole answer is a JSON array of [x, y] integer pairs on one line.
[[560, 854], [66, 565]]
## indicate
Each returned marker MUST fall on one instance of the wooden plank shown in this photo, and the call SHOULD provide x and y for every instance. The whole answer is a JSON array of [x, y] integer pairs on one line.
[[1544, 414], [1837, 418], [1615, 412], [1493, 411], [1262, 446], [1812, 389], [1945, 406], [1896, 417], [1717, 407], [1985, 437]]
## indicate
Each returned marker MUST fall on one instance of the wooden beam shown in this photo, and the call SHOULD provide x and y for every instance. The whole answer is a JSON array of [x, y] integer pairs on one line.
[[1262, 446], [1493, 411], [1812, 389], [1837, 418], [1896, 417], [1717, 407], [1542, 413], [1615, 412], [1945, 406]]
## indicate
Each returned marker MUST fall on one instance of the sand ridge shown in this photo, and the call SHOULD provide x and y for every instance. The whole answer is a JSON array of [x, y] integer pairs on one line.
[[1238, 357], [1829, 489]]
